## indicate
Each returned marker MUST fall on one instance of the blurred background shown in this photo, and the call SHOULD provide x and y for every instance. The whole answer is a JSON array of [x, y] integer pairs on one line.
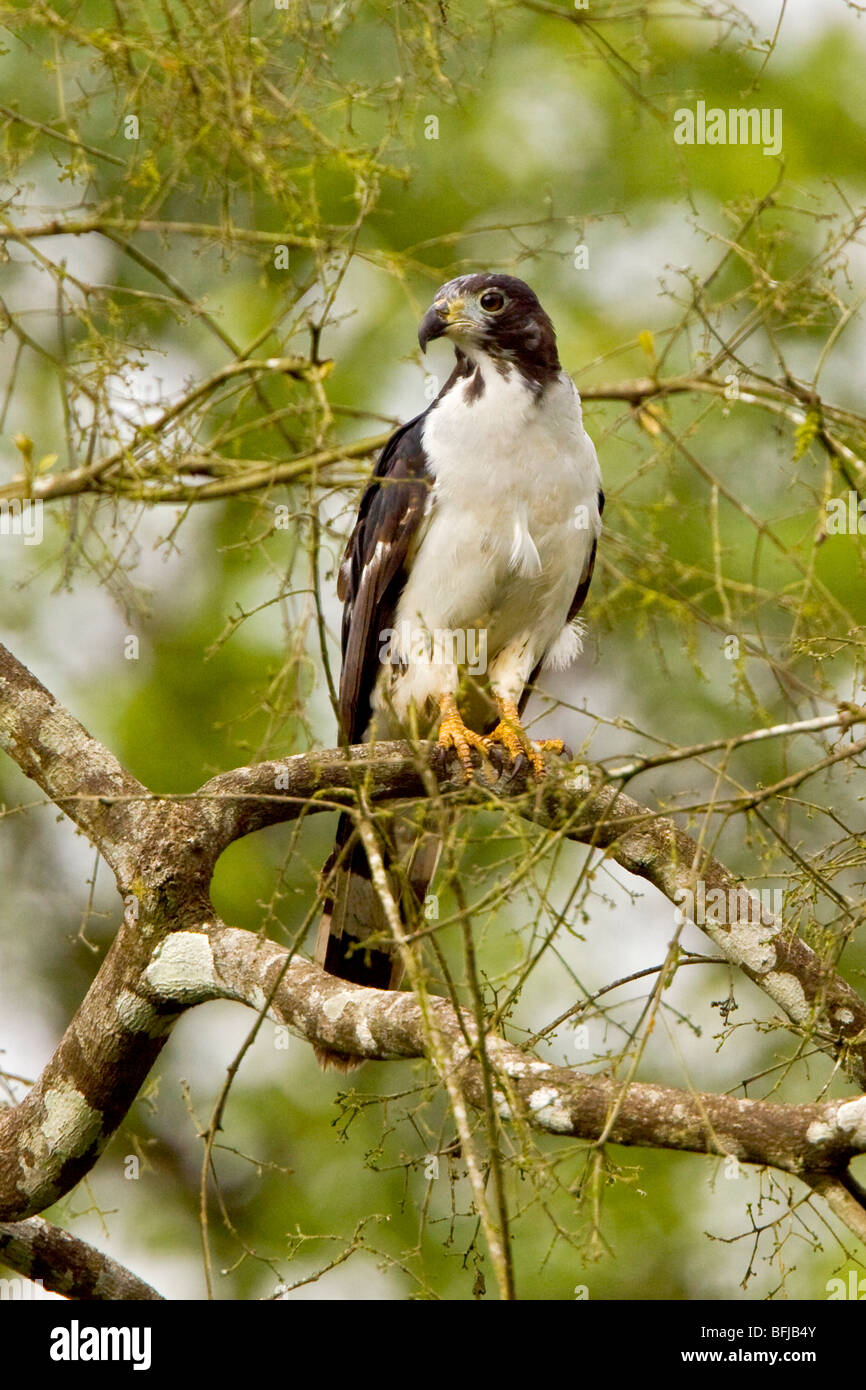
[[255, 182]]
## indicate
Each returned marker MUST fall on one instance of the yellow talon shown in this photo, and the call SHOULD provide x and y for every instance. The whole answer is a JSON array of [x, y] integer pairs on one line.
[[453, 733], [514, 738]]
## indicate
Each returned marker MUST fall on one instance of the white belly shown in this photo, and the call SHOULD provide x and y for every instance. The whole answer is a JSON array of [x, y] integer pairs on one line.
[[512, 519]]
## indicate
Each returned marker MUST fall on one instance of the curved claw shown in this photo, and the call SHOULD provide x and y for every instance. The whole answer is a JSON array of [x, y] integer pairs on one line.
[[510, 733], [453, 733]]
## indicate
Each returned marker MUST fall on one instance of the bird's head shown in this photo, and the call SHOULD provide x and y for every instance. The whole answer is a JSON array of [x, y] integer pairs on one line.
[[498, 315]]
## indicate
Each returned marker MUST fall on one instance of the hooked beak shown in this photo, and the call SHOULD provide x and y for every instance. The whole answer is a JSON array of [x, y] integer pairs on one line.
[[437, 320]]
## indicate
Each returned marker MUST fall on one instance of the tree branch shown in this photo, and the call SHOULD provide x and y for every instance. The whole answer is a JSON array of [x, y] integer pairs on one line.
[[64, 1264], [389, 1024], [811, 993], [81, 776], [136, 486]]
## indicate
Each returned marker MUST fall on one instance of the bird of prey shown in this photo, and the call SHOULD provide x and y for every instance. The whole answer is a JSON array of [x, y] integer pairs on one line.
[[469, 562]]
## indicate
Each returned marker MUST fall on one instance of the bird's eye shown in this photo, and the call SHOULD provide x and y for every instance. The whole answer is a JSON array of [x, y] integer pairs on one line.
[[492, 301]]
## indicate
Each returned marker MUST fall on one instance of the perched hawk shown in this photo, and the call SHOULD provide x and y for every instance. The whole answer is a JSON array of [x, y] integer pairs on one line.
[[470, 559]]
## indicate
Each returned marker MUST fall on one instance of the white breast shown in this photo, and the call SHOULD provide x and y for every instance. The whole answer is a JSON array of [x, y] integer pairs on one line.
[[512, 518]]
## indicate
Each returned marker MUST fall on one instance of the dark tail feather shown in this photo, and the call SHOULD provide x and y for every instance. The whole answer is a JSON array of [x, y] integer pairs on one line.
[[354, 941]]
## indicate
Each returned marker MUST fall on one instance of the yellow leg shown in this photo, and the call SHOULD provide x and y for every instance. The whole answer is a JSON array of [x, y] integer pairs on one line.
[[453, 733], [514, 738]]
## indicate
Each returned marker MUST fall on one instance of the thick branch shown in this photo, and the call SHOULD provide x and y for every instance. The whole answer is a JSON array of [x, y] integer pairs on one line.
[[55, 1135], [64, 1264], [81, 776], [809, 991], [388, 1024]]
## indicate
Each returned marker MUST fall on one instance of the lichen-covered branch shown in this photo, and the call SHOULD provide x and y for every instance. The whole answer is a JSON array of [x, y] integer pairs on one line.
[[53, 1137], [388, 1024], [71, 767], [811, 993]]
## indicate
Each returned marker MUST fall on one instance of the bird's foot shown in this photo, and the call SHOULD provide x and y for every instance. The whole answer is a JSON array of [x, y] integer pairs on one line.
[[515, 740], [453, 733]]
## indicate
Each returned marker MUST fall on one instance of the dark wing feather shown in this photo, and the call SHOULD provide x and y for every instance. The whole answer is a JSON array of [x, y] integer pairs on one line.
[[377, 557], [374, 568]]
